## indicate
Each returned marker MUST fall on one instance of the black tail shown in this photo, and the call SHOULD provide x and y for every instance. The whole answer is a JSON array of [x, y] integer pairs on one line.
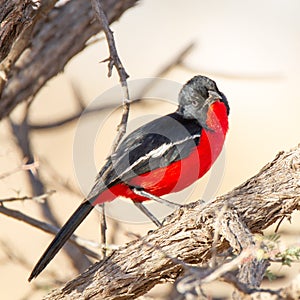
[[60, 239]]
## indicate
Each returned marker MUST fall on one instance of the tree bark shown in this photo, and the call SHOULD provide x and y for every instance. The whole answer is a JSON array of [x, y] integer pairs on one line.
[[188, 234], [50, 35]]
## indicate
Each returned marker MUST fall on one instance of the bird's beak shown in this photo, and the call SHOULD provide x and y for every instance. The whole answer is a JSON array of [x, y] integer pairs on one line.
[[213, 96]]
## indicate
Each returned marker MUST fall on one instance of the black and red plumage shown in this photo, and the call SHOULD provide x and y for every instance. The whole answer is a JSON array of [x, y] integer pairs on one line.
[[161, 157]]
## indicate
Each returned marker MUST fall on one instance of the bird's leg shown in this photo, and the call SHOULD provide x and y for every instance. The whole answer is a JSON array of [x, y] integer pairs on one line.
[[143, 209], [143, 193], [103, 230]]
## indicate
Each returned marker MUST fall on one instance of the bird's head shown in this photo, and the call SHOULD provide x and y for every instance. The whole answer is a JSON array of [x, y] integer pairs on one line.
[[196, 96]]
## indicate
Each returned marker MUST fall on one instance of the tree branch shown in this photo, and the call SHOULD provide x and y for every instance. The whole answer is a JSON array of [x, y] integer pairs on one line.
[[188, 235], [176, 61], [80, 243], [114, 61], [22, 134], [39, 198], [49, 41]]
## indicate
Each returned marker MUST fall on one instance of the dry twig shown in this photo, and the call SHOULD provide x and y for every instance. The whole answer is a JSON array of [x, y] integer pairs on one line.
[[79, 242], [176, 61], [114, 61], [39, 198]]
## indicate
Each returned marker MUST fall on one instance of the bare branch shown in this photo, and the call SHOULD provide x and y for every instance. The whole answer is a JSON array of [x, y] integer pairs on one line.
[[67, 120], [177, 60], [39, 198], [187, 235], [114, 61], [49, 39], [23, 167], [81, 243], [22, 134]]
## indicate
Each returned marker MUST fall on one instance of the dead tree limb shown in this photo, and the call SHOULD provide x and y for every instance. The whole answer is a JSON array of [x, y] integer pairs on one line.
[[54, 39], [188, 235]]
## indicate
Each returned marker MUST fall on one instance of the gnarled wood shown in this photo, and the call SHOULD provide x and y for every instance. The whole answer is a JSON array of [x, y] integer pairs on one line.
[[188, 235]]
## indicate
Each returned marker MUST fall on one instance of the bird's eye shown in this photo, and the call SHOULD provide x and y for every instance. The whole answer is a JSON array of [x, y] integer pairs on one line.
[[195, 103]]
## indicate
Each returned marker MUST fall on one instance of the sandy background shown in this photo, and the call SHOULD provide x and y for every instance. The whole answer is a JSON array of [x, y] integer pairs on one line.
[[251, 48]]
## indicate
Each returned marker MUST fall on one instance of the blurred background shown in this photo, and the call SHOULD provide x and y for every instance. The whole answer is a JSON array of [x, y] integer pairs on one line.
[[250, 48]]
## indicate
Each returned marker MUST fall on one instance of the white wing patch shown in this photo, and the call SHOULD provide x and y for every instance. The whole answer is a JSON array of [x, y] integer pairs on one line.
[[159, 151]]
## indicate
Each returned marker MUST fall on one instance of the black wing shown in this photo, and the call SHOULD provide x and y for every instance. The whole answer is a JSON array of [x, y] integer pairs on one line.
[[156, 144]]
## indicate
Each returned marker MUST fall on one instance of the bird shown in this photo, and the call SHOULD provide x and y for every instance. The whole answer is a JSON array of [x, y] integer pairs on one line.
[[161, 157]]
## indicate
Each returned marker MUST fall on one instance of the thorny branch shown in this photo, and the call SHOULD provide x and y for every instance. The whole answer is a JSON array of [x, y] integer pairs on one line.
[[114, 61]]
